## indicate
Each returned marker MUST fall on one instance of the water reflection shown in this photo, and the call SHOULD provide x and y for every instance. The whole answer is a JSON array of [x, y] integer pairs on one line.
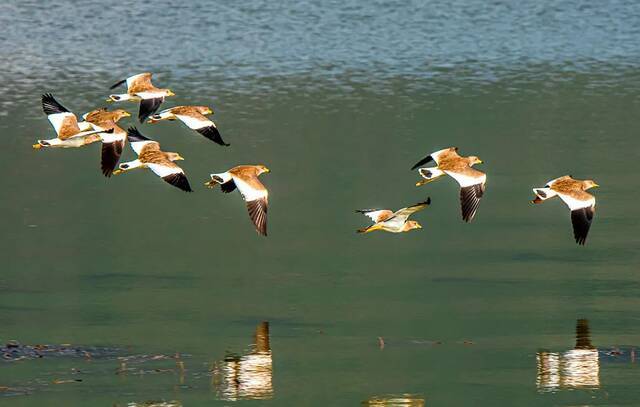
[[396, 400], [578, 368], [247, 376]]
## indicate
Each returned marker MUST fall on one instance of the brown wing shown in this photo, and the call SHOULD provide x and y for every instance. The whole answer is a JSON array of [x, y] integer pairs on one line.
[[140, 83], [68, 127]]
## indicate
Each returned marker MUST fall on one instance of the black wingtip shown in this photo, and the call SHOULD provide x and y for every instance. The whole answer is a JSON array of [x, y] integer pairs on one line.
[[470, 200], [212, 133], [51, 106], [178, 180], [110, 155], [133, 135], [115, 85], [581, 221], [149, 107], [421, 162]]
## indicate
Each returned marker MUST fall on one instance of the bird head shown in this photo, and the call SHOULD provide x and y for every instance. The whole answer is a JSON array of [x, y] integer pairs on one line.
[[474, 160], [174, 157], [590, 184], [262, 169], [412, 224], [119, 114]]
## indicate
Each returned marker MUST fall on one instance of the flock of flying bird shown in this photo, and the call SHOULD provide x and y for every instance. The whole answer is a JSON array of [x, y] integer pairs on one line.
[[101, 125]]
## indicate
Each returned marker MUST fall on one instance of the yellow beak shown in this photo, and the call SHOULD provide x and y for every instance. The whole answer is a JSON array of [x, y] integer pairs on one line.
[[170, 93], [117, 172], [596, 185], [127, 114], [109, 100], [180, 158], [37, 146]]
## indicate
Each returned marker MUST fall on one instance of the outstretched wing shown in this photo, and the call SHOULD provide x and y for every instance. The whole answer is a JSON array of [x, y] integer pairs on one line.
[[472, 185], [138, 141], [63, 121], [257, 199], [149, 107], [404, 213], [376, 215], [583, 208], [172, 174], [202, 125], [437, 156]]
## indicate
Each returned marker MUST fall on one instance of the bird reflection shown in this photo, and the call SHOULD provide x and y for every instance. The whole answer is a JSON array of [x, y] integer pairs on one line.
[[395, 400], [247, 376], [578, 368]]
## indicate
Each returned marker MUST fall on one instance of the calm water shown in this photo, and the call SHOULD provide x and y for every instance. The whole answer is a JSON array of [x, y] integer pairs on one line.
[[339, 99]]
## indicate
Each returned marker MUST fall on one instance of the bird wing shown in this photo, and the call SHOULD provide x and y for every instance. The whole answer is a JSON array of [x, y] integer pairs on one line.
[[404, 213], [139, 83], [139, 142], [200, 123], [112, 146], [376, 215], [256, 196], [171, 173], [472, 186], [437, 156], [63, 121], [583, 207], [563, 178], [149, 106]]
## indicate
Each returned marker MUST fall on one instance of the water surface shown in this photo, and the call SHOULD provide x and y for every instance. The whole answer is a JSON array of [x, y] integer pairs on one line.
[[339, 99]]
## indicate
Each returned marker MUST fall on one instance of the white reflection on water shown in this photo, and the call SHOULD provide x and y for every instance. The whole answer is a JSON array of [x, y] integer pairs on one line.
[[173, 403], [578, 368], [396, 400], [249, 376]]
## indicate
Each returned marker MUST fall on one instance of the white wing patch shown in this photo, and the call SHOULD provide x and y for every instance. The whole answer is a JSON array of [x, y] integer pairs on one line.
[[112, 137], [374, 215], [225, 176], [248, 192], [151, 95], [163, 171], [574, 203], [465, 180], [194, 123]]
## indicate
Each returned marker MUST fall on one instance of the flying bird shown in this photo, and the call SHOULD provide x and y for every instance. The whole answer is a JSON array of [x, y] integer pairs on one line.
[[394, 222], [194, 117], [140, 88], [581, 203], [472, 182], [65, 123], [160, 162], [113, 143], [245, 178]]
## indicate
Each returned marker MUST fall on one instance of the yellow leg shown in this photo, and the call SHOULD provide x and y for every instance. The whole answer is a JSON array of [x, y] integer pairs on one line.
[[370, 229]]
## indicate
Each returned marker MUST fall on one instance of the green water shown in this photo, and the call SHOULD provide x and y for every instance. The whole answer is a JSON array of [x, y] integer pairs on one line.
[[464, 310]]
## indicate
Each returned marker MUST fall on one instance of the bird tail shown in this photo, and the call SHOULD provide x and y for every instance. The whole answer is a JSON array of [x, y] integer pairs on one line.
[[369, 229], [429, 174], [215, 180], [542, 194]]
